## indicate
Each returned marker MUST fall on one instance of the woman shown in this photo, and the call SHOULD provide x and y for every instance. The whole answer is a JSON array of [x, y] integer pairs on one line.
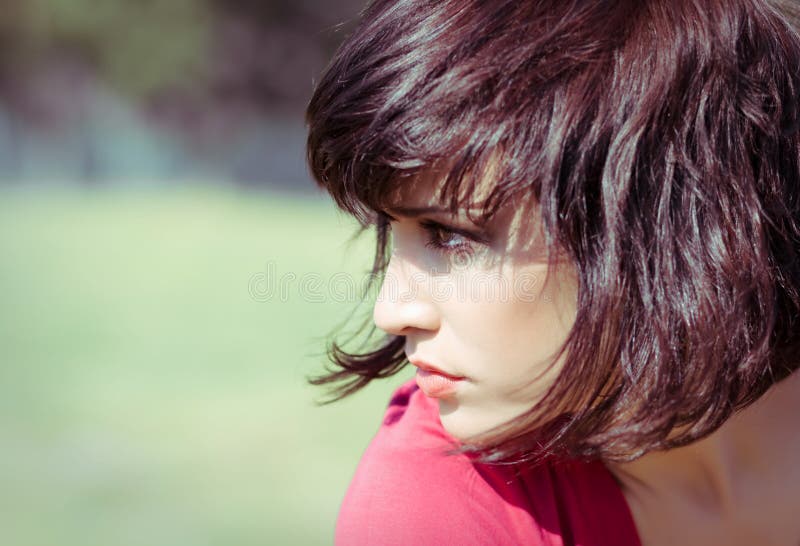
[[588, 224]]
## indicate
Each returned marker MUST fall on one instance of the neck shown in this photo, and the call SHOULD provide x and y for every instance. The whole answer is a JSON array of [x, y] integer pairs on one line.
[[718, 472]]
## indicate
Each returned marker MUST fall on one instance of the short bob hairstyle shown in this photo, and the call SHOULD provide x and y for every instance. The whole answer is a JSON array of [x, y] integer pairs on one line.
[[660, 140]]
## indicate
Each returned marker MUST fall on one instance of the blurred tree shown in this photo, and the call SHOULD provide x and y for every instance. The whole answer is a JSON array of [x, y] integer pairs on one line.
[[224, 80], [137, 47], [261, 51]]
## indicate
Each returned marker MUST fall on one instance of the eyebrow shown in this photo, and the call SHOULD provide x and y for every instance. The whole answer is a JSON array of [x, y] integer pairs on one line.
[[413, 212]]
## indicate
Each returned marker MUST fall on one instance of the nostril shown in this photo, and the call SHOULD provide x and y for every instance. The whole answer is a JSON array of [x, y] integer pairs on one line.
[[398, 317]]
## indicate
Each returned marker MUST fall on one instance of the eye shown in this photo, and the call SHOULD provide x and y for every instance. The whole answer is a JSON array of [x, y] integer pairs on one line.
[[448, 241], [457, 245]]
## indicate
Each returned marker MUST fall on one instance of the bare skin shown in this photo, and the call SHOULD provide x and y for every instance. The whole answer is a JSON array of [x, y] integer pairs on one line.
[[738, 486], [484, 308]]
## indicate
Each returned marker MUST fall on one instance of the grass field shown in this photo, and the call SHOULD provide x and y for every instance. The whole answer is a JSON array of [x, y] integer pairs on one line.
[[152, 373]]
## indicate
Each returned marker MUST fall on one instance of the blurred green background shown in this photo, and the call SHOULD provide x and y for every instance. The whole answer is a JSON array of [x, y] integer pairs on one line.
[[153, 201]]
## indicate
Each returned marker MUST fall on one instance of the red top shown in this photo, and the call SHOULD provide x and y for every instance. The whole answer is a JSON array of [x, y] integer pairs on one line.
[[406, 491]]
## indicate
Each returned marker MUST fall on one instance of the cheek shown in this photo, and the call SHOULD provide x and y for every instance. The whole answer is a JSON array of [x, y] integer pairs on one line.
[[509, 345], [518, 332]]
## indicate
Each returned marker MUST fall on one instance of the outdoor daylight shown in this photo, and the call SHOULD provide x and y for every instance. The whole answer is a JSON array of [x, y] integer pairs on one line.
[[400, 272], [170, 276]]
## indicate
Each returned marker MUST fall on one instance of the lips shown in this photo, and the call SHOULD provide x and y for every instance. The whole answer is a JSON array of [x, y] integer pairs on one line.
[[434, 382]]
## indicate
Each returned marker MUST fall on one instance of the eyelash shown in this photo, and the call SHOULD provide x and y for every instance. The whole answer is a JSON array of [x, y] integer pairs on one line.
[[439, 243], [439, 238]]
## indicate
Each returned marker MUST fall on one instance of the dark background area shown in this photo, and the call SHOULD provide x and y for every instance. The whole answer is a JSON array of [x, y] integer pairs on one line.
[[161, 89]]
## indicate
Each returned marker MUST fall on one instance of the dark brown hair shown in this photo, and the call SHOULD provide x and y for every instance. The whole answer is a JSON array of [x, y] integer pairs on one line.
[[661, 141]]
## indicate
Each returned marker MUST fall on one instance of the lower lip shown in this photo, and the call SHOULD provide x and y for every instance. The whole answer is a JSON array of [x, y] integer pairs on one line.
[[436, 385]]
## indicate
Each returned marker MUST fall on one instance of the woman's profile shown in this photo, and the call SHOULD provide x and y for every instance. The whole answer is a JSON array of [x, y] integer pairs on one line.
[[587, 217]]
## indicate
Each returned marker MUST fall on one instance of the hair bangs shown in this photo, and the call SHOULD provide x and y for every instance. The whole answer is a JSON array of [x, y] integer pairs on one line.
[[474, 164], [489, 95]]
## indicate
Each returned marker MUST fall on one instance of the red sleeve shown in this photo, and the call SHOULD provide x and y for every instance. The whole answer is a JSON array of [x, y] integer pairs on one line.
[[406, 490]]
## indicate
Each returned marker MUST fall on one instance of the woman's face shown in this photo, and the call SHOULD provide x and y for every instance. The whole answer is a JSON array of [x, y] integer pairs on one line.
[[474, 303]]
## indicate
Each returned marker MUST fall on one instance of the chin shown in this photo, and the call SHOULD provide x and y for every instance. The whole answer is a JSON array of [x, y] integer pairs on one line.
[[457, 431], [462, 424]]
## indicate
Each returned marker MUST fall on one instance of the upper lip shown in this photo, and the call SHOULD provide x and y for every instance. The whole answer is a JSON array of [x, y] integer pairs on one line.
[[422, 365]]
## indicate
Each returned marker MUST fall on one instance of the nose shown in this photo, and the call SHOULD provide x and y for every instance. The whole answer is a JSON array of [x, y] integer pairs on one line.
[[403, 304]]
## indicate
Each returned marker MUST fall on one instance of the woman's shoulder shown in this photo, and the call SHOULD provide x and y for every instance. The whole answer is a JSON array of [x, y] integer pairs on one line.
[[408, 489]]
